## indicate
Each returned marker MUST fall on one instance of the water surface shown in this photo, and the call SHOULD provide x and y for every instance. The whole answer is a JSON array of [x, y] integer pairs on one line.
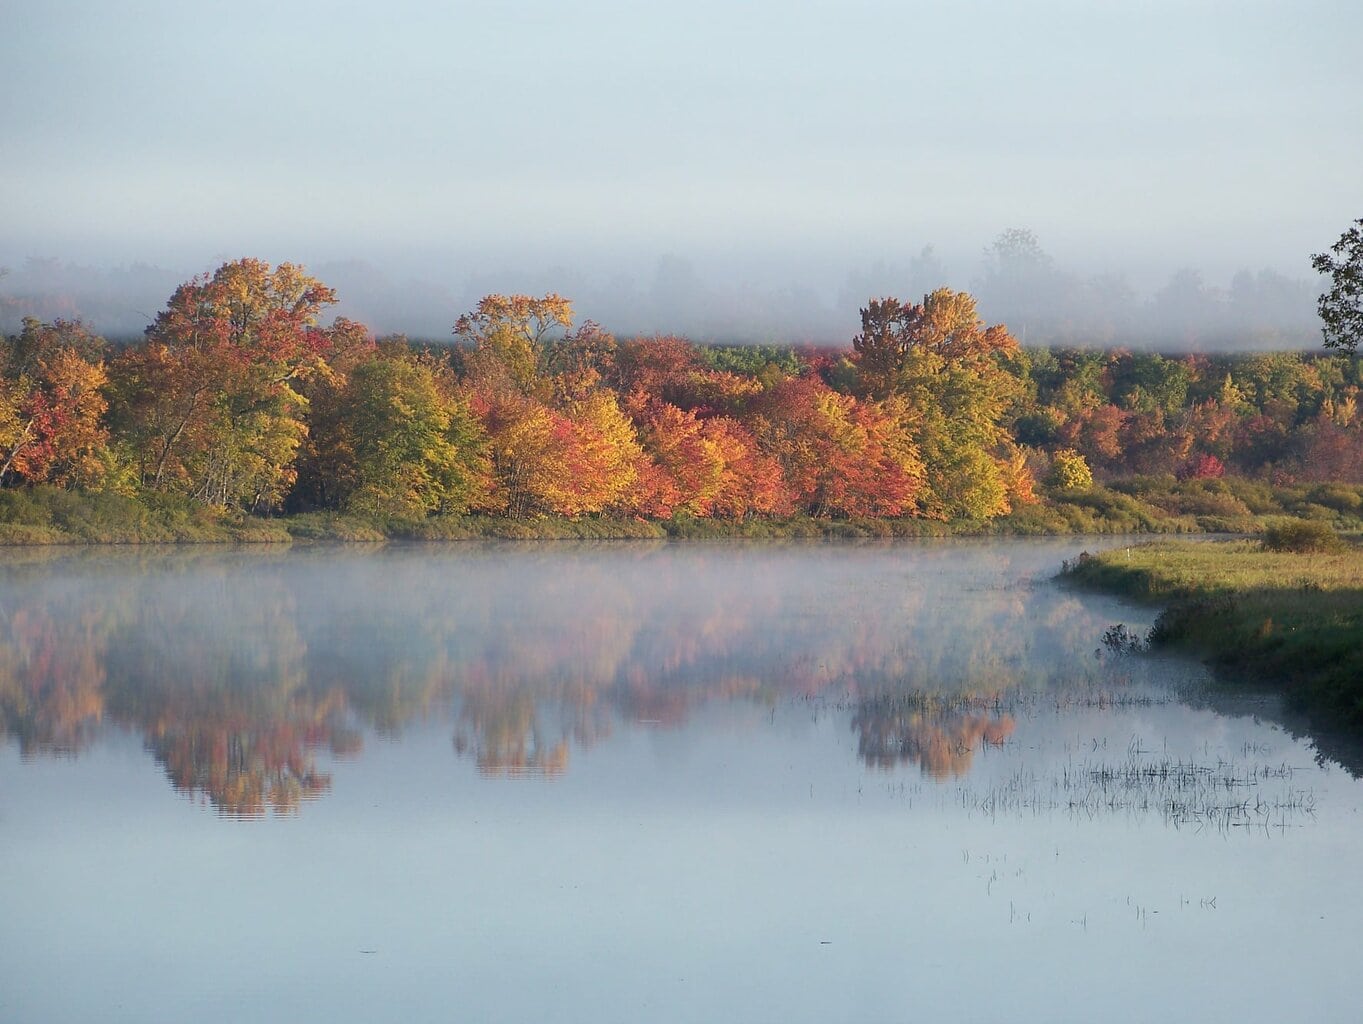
[[629, 782]]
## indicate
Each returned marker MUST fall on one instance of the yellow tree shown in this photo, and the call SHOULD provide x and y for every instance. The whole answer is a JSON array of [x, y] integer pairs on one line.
[[603, 455], [515, 331], [525, 445]]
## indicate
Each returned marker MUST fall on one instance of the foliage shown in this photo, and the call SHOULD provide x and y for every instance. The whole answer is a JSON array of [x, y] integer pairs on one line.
[[395, 445], [513, 331], [1341, 308], [240, 400], [839, 456], [1069, 470], [950, 379], [210, 405], [1302, 536], [52, 406]]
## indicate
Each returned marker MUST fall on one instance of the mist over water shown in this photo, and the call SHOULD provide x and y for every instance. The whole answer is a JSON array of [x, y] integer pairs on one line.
[[641, 781]]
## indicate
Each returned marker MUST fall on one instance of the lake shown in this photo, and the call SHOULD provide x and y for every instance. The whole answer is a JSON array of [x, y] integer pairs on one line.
[[644, 782]]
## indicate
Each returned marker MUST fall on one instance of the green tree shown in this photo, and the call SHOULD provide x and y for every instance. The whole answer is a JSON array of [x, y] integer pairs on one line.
[[395, 445], [1341, 308]]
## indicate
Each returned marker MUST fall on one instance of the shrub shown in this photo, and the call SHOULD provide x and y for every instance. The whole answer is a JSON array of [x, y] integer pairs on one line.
[[1257, 495], [1069, 470], [1339, 497], [1208, 503], [1310, 510], [1206, 467], [1302, 536]]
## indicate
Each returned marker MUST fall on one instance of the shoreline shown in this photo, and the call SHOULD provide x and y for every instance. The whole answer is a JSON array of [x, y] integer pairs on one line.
[[40, 516], [312, 528], [1288, 622]]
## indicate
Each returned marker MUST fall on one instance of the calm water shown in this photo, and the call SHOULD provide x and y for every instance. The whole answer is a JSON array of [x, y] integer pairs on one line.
[[642, 782]]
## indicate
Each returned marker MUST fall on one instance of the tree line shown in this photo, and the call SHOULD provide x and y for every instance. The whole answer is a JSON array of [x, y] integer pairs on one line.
[[240, 398]]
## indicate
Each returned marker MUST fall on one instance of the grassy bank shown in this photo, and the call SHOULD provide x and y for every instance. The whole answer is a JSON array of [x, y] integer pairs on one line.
[[1293, 619], [47, 515]]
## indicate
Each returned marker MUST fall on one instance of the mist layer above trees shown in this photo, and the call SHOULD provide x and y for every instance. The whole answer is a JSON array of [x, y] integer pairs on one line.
[[1015, 281]]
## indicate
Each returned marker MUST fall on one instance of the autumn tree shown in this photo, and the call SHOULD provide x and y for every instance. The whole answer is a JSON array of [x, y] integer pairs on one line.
[[602, 456], [1069, 470], [670, 369], [579, 362], [211, 403], [324, 465], [1098, 433], [704, 467], [948, 373], [52, 405], [839, 456], [886, 346], [526, 441], [516, 332], [1332, 450], [558, 439]]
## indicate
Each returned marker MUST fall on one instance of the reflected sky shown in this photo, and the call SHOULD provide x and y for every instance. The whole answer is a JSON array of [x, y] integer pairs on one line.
[[640, 781]]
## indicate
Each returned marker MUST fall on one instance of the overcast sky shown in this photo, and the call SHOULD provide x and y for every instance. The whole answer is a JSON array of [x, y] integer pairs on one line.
[[768, 141]]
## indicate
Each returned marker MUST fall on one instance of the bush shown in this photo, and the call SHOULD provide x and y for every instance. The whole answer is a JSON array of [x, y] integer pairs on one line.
[[1069, 470], [1310, 510], [1302, 536], [1257, 495], [1210, 503], [1339, 497]]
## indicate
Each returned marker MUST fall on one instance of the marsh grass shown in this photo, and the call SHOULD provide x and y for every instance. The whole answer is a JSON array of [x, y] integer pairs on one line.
[[48, 515], [1287, 618], [1153, 505]]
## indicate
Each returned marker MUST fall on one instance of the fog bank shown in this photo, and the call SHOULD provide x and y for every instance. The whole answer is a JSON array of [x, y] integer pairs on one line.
[[1043, 301]]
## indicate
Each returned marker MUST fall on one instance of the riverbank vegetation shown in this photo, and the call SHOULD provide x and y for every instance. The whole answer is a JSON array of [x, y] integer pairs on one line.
[[50, 515], [240, 416], [1286, 610]]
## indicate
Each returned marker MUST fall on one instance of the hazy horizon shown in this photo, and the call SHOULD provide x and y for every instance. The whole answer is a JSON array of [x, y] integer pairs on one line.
[[1042, 302], [729, 172]]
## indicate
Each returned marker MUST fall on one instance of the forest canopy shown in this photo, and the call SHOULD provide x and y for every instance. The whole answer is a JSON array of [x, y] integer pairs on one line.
[[241, 398]]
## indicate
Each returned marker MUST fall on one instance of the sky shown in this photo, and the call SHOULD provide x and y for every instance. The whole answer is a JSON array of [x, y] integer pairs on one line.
[[766, 146]]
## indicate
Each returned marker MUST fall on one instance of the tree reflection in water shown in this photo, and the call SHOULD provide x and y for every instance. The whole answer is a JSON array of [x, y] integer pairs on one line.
[[942, 742], [238, 670]]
